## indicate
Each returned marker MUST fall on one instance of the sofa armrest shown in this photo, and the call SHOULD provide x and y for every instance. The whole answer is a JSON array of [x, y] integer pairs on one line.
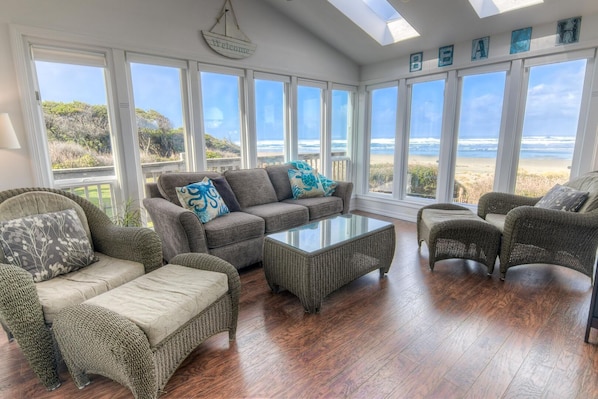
[[179, 228], [502, 203], [344, 190]]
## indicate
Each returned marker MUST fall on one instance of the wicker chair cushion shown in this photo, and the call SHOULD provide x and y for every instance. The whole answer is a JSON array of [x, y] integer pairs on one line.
[[497, 220], [73, 288], [161, 302]]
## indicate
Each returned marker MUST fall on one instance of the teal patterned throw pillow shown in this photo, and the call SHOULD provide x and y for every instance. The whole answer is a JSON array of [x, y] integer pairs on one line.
[[203, 199], [305, 184], [329, 185], [46, 245]]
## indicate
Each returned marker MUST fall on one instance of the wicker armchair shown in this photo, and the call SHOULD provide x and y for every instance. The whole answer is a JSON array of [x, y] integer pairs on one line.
[[22, 313], [533, 235]]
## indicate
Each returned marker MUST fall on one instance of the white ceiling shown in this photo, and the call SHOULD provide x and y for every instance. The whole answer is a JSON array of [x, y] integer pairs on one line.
[[439, 22]]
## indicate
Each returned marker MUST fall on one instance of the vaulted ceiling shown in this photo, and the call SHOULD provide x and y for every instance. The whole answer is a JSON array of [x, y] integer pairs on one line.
[[439, 22]]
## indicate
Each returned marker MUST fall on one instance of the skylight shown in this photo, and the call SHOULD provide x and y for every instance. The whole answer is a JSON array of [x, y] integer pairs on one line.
[[378, 18], [487, 8]]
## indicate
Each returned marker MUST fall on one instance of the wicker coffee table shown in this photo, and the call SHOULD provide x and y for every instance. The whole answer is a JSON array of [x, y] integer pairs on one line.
[[314, 260]]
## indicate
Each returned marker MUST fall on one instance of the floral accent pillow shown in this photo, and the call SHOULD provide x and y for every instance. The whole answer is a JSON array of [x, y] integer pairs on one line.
[[46, 245], [329, 185], [563, 198], [305, 184], [203, 199]]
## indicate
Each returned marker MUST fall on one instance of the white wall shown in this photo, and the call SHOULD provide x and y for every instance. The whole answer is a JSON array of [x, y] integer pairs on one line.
[[161, 27]]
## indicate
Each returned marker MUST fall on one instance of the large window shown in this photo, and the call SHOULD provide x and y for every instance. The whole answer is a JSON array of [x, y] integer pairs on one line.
[[309, 124], [478, 132], [270, 121], [220, 94], [425, 130], [550, 125], [159, 117], [383, 125], [341, 131], [78, 139]]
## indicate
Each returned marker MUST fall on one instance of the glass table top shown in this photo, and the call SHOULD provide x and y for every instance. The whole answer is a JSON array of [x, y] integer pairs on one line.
[[329, 232]]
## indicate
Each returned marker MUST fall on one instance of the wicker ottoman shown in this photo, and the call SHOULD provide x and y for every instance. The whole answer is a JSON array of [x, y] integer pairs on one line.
[[453, 231], [139, 333]]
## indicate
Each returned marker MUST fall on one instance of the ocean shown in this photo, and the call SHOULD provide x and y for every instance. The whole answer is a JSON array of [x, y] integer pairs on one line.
[[538, 147]]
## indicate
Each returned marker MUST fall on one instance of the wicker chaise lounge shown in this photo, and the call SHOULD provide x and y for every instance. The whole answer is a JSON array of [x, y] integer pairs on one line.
[[27, 309], [532, 235], [139, 333]]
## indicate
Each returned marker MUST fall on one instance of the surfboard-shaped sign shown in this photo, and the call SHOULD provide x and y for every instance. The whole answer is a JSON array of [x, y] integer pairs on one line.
[[226, 38]]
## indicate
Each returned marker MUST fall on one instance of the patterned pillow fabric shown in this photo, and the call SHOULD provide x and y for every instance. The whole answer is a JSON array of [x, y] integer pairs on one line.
[[203, 199], [47, 245], [329, 185], [563, 198], [305, 184]]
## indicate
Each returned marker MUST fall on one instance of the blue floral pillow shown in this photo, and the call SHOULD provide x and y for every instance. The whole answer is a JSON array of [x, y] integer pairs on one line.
[[329, 185], [203, 199], [305, 184]]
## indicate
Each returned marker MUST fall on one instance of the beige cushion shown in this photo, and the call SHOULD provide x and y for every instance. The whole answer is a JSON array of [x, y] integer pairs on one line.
[[76, 287], [430, 217], [160, 302], [497, 220]]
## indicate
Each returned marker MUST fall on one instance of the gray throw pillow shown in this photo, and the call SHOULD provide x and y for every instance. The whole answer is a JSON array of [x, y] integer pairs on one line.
[[563, 198], [227, 194], [46, 245]]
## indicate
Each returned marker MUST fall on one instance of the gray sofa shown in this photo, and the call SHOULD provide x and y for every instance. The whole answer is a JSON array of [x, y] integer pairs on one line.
[[267, 206]]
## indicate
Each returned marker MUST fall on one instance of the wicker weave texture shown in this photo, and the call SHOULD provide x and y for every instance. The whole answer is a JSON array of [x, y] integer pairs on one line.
[[313, 276], [20, 309], [459, 238], [95, 340]]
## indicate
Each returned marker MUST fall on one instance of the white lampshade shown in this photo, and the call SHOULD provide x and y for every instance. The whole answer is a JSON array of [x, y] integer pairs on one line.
[[8, 137]]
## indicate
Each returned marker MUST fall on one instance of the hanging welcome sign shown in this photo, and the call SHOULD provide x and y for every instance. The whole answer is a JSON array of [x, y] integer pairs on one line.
[[226, 38]]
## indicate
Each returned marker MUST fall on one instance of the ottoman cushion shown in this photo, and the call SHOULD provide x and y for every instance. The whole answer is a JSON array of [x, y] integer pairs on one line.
[[76, 287], [433, 216], [161, 302]]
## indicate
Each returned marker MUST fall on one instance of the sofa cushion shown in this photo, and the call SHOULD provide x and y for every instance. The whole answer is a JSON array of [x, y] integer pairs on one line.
[[46, 245], [279, 176], [226, 192], [251, 186], [168, 182], [280, 216], [203, 199], [320, 207], [75, 287], [233, 228], [163, 301]]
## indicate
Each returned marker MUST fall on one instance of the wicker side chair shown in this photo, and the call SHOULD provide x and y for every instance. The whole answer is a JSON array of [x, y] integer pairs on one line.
[[532, 235], [22, 313]]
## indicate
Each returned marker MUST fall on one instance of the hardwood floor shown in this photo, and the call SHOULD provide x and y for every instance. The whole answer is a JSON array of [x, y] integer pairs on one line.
[[451, 333]]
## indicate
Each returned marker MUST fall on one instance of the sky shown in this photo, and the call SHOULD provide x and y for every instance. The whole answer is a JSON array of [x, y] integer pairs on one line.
[[552, 108]]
